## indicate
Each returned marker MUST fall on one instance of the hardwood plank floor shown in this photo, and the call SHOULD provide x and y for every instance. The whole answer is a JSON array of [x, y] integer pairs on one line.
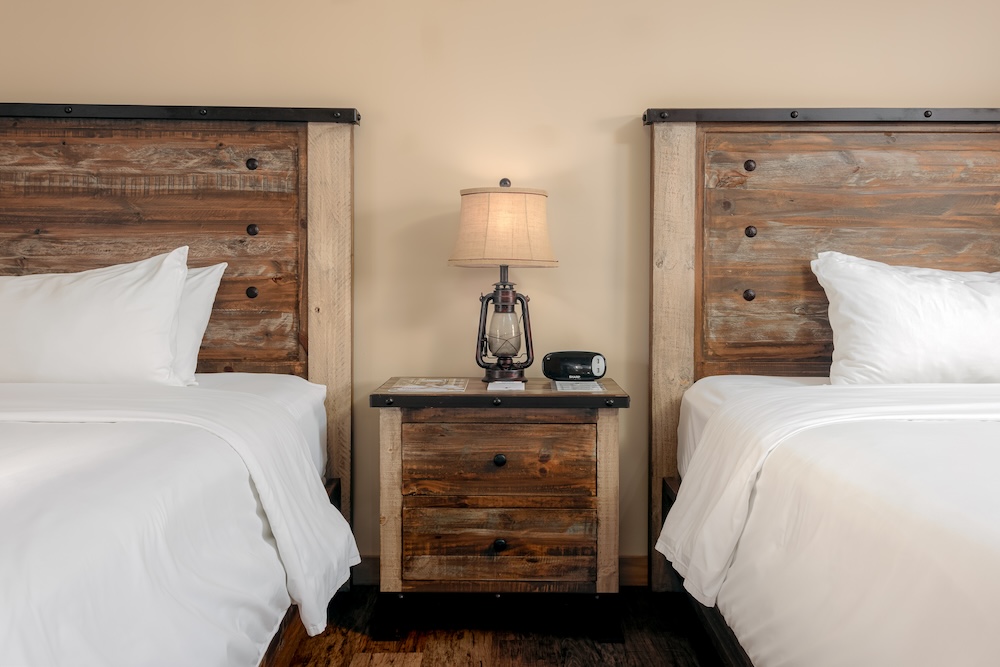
[[636, 628]]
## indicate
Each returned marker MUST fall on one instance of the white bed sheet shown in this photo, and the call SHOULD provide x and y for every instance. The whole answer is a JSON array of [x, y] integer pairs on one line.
[[158, 526], [704, 397], [304, 401], [849, 525]]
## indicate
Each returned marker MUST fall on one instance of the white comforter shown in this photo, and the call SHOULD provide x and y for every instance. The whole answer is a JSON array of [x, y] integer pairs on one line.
[[847, 525], [132, 534]]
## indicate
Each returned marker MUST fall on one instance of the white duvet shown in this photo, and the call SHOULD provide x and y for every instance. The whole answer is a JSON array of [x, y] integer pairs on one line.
[[157, 526], [847, 525]]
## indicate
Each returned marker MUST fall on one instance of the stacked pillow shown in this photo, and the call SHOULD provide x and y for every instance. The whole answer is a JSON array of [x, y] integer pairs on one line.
[[903, 324], [141, 322]]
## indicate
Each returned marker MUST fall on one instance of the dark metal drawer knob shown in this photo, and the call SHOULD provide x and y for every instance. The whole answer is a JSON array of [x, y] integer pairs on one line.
[[749, 165], [252, 292], [253, 230], [750, 231], [499, 545], [499, 460], [252, 163], [749, 294]]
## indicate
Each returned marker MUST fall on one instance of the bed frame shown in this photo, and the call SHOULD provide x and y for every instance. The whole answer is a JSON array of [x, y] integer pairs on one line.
[[268, 190], [743, 199]]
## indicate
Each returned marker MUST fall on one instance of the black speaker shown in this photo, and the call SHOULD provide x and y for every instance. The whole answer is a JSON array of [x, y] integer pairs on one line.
[[573, 365]]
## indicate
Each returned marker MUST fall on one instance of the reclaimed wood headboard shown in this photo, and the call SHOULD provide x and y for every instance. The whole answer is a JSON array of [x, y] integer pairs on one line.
[[743, 199], [268, 190]]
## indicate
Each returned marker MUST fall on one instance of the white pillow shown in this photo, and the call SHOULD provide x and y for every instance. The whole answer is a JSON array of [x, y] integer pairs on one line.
[[113, 324], [197, 300], [901, 324]]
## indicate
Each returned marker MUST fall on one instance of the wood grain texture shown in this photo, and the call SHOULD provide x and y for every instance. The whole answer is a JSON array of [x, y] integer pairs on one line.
[[81, 194], [390, 500], [539, 459], [543, 480], [458, 544], [462, 630], [607, 502], [672, 309], [331, 287], [904, 194]]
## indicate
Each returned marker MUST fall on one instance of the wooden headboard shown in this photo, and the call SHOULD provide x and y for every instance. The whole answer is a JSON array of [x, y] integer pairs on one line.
[[743, 199], [268, 190]]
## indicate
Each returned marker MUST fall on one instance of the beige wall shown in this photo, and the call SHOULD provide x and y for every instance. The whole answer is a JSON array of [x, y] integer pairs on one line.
[[459, 93]]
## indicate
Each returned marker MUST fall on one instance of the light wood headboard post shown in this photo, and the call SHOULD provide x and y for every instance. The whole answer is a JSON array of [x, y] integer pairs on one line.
[[331, 289], [672, 302]]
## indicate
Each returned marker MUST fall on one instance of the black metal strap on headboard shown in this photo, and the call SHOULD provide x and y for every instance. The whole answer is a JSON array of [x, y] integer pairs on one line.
[[129, 111], [860, 115]]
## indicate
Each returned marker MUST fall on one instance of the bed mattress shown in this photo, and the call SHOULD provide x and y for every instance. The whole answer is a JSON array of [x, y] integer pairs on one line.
[[160, 525], [847, 525]]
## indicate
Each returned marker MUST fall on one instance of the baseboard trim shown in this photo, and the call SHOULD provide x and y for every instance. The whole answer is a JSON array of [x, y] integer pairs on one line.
[[632, 571]]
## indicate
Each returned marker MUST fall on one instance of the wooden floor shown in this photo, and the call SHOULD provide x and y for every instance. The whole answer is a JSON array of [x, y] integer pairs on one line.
[[636, 628]]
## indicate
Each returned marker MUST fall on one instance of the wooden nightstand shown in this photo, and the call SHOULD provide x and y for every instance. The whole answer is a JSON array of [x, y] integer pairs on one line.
[[485, 491]]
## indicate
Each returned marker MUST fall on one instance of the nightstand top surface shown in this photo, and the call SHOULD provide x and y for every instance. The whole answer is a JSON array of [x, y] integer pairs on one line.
[[537, 393]]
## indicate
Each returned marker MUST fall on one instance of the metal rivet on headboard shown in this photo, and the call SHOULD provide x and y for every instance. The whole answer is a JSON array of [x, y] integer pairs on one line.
[[749, 165], [252, 163], [203, 112], [750, 231], [252, 292], [749, 294], [794, 114], [928, 113], [253, 229], [664, 114], [68, 109]]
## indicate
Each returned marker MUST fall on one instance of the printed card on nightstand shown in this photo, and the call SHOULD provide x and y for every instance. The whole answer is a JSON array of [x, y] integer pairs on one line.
[[502, 385], [430, 385], [591, 386]]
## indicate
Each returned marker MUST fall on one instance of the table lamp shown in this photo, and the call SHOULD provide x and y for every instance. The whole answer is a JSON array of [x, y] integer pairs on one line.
[[503, 226]]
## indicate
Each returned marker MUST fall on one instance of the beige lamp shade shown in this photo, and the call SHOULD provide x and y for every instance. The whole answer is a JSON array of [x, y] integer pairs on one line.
[[503, 226]]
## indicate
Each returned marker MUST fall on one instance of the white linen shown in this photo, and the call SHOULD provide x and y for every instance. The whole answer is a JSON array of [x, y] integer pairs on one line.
[[872, 544], [132, 535], [847, 524], [704, 397], [303, 400], [703, 527], [896, 324], [116, 324], [193, 314]]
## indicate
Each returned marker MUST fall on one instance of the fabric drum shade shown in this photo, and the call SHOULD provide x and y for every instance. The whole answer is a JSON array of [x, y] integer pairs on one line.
[[503, 226]]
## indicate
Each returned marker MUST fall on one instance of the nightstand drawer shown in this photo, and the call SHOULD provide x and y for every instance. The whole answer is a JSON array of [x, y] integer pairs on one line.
[[454, 459], [502, 544]]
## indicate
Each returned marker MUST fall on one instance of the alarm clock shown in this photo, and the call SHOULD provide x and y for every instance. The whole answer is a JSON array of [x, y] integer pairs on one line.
[[573, 365]]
